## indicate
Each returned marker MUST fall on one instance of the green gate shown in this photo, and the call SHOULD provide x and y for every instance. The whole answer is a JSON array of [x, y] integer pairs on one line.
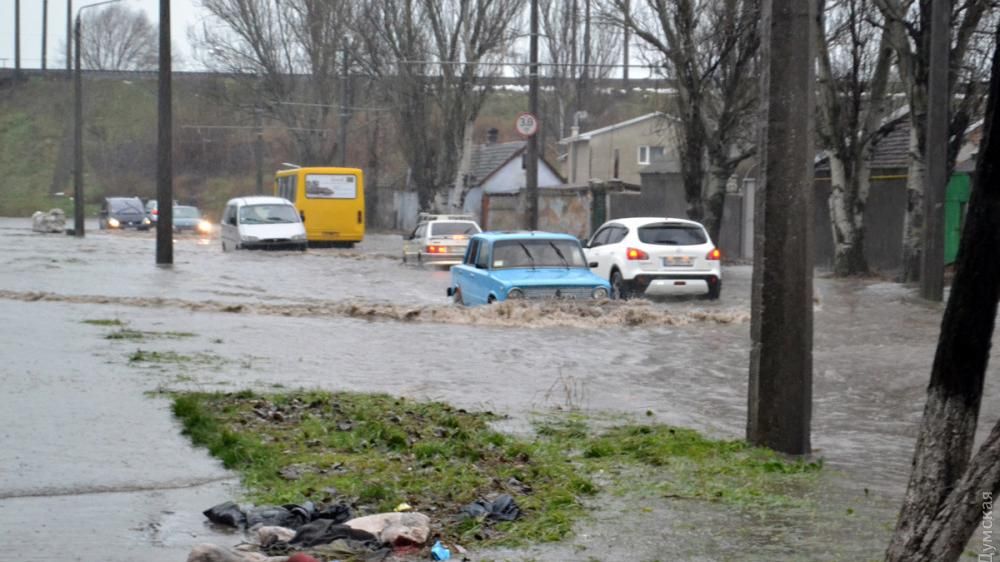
[[956, 201]]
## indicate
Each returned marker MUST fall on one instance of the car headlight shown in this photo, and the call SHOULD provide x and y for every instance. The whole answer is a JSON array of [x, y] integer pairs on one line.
[[113, 222], [515, 293], [145, 220], [599, 293], [249, 238], [204, 226], [298, 237]]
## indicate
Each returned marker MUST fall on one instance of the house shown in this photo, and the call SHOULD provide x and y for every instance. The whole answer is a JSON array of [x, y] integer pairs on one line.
[[619, 151], [498, 168]]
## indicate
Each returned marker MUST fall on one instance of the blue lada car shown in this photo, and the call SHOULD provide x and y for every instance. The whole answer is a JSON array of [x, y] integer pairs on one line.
[[524, 265]]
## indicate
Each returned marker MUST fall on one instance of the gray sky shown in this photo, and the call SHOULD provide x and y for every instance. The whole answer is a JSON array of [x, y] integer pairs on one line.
[[183, 14]]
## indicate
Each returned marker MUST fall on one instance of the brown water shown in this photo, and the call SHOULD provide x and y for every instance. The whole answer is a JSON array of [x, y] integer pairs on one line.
[[95, 469]]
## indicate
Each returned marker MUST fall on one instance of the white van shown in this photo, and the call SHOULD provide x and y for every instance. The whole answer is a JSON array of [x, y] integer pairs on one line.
[[264, 223]]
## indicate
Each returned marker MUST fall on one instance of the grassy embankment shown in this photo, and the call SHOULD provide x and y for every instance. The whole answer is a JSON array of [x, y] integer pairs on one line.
[[36, 157], [377, 451]]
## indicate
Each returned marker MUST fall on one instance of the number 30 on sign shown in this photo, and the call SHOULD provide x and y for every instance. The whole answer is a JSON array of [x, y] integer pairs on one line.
[[527, 124]]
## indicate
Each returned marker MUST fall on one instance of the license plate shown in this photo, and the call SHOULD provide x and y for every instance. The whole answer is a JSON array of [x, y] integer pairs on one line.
[[678, 261]]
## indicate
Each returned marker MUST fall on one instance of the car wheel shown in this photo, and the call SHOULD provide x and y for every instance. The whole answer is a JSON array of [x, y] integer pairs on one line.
[[456, 297], [491, 299], [714, 291], [618, 288], [404, 256], [420, 259]]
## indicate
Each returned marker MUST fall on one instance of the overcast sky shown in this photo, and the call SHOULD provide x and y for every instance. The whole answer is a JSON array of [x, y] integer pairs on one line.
[[183, 14]]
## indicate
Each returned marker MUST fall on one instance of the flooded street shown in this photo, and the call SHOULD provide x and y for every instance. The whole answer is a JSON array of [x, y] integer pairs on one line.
[[95, 467]]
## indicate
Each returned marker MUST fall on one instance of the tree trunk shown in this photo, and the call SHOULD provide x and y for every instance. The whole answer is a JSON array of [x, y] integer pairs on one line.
[[460, 186], [913, 221], [692, 152], [715, 198], [947, 495], [846, 221]]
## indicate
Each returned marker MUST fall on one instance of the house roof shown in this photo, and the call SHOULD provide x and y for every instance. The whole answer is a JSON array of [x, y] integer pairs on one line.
[[488, 158], [889, 152], [590, 134]]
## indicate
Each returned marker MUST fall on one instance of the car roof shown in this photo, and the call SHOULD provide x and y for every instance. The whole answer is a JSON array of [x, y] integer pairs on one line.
[[259, 200], [635, 222], [122, 198], [494, 236]]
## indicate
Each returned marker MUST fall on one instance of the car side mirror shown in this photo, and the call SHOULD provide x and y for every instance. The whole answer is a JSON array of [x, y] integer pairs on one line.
[[593, 264], [584, 242], [302, 214]]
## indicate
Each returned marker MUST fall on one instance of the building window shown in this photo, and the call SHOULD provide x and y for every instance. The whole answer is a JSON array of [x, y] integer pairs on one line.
[[649, 154]]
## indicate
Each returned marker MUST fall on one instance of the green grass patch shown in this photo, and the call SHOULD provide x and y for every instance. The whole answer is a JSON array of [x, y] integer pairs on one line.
[[104, 322], [377, 451], [144, 356]]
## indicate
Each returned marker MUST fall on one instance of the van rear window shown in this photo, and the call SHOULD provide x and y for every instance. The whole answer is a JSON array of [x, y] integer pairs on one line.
[[672, 235], [331, 186]]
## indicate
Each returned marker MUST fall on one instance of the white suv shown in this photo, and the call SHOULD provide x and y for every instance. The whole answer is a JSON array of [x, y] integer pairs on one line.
[[655, 255]]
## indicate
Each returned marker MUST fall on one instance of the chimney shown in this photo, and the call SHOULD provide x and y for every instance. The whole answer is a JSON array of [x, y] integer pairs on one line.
[[492, 135]]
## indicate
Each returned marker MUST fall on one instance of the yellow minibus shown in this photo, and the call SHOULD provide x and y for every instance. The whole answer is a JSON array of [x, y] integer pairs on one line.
[[330, 200]]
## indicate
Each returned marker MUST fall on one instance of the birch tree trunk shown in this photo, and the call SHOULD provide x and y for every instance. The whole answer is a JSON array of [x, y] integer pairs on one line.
[[913, 221], [459, 187], [847, 219], [715, 197]]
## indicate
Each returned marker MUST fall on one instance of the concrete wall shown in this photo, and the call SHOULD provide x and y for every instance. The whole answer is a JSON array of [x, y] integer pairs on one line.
[[595, 159], [562, 210], [661, 195], [883, 224]]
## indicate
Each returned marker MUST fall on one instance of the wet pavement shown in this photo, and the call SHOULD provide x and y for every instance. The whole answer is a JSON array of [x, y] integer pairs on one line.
[[95, 467]]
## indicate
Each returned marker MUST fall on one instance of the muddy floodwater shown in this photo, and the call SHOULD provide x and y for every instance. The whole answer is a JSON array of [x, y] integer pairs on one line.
[[94, 466]]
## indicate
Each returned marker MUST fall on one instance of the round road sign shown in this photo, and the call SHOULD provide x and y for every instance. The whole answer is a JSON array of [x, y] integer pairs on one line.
[[527, 124]]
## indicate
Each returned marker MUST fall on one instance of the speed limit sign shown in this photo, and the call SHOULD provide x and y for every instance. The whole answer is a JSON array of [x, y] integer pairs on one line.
[[527, 124]]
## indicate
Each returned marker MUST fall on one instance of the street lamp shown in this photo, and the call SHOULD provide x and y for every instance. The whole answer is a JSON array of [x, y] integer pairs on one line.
[[78, 127]]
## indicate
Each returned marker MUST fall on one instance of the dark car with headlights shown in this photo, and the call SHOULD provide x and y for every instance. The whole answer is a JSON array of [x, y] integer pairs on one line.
[[123, 212]]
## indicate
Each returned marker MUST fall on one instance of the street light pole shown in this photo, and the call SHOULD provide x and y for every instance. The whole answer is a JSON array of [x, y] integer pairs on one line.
[[78, 228], [936, 154]]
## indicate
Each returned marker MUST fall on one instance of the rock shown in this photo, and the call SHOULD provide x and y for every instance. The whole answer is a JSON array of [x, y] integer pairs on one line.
[[214, 553], [268, 535], [397, 529], [53, 221]]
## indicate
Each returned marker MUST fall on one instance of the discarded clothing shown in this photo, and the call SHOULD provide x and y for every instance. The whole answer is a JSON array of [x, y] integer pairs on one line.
[[291, 516], [397, 529], [502, 508], [227, 513], [325, 531]]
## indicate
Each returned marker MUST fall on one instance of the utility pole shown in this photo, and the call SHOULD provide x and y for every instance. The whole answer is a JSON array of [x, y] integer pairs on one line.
[[625, 49], [17, 39], [164, 147], [258, 149], [69, 36], [78, 227], [531, 169], [781, 331], [342, 134], [936, 155], [45, 30]]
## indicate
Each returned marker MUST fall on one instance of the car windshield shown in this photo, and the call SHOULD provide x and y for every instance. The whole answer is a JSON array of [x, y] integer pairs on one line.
[[672, 235], [125, 205], [268, 214], [453, 228], [537, 252], [186, 213]]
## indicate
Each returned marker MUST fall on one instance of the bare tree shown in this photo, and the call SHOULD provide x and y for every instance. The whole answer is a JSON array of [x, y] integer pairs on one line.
[[432, 56], [854, 60], [569, 83], [118, 38], [908, 26], [294, 48], [708, 50], [951, 489]]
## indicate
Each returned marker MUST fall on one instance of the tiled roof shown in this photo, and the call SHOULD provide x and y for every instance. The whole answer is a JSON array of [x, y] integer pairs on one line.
[[890, 152], [486, 158]]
